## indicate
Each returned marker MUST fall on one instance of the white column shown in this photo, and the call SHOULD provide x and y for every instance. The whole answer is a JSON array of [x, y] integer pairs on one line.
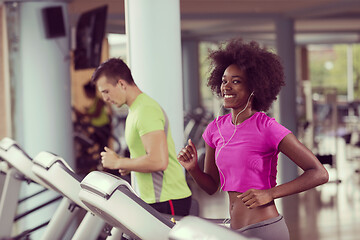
[[288, 171], [350, 74], [5, 62], [190, 59], [43, 94], [153, 31], [285, 45], [40, 76]]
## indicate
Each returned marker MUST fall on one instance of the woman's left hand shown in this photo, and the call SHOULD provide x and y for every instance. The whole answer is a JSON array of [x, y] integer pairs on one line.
[[253, 198]]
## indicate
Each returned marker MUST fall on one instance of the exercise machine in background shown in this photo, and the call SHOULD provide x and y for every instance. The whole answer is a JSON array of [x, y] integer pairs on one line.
[[114, 200], [54, 170], [16, 167]]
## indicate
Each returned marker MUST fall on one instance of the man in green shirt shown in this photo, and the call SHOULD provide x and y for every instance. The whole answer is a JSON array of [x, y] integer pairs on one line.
[[159, 178]]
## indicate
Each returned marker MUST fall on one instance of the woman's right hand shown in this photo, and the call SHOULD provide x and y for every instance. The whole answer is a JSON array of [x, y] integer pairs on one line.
[[188, 156]]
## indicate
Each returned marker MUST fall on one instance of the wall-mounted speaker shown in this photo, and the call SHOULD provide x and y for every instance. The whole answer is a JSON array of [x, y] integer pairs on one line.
[[54, 21]]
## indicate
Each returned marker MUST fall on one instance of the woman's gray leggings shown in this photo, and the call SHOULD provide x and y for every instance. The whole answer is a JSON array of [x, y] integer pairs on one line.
[[270, 229]]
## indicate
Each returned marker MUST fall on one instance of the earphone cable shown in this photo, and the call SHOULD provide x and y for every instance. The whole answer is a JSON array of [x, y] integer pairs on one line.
[[225, 143]]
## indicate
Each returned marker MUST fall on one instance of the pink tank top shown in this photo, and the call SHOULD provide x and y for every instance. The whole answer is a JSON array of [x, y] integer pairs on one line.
[[249, 159]]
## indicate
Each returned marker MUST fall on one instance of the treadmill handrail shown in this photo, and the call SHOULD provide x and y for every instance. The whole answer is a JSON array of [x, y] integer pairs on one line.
[[6, 143], [46, 159], [103, 183]]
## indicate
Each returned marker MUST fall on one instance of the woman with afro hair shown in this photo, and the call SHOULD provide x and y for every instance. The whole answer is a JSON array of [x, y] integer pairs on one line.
[[242, 147]]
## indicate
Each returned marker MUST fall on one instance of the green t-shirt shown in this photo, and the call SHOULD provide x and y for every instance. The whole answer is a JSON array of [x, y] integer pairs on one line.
[[145, 115], [101, 120]]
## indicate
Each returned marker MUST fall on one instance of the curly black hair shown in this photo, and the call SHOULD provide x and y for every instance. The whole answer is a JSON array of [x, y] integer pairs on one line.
[[263, 70]]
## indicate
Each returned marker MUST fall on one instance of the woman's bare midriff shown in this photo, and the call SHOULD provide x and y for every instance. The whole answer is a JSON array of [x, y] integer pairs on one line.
[[242, 216]]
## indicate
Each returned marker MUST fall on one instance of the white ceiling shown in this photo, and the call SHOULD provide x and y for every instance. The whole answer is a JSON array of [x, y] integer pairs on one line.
[[316, 21]]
